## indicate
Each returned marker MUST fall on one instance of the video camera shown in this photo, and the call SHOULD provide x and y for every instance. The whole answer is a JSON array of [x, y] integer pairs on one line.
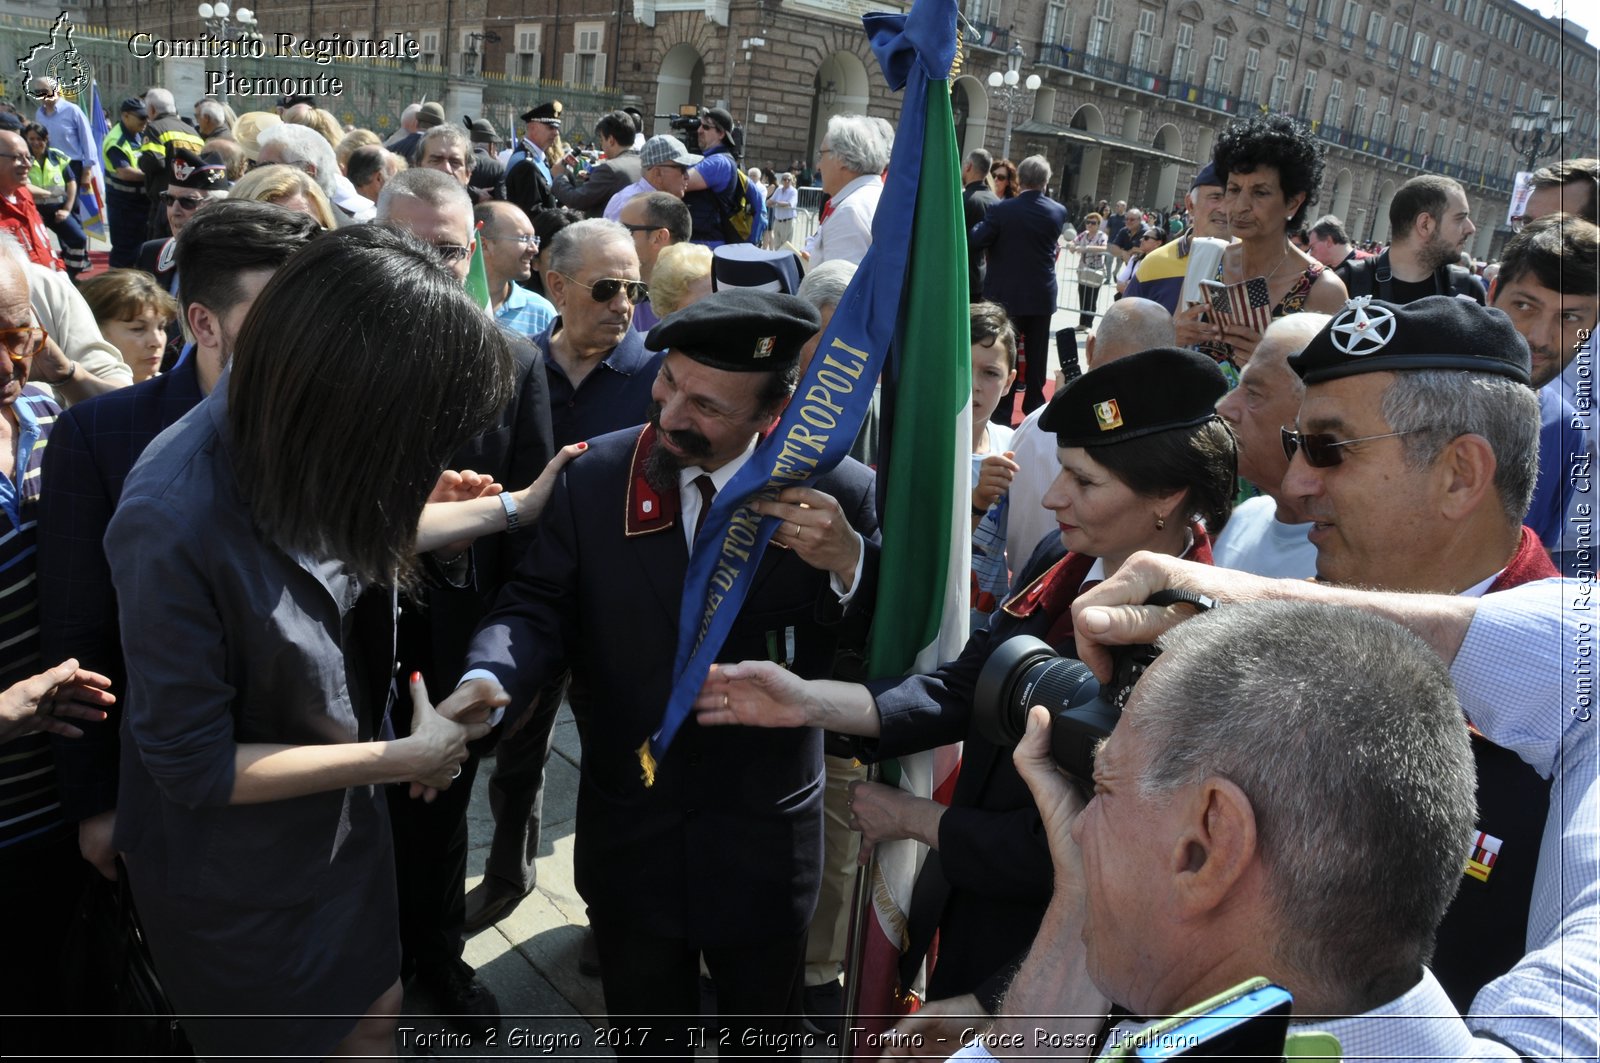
[[686, 122], [1024, 671]]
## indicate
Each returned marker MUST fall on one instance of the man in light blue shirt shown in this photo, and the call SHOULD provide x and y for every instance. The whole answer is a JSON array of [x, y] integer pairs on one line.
[[69, 129], [509, 248]]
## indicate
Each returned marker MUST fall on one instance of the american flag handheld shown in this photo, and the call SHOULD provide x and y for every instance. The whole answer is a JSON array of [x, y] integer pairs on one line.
[[1247, 303]]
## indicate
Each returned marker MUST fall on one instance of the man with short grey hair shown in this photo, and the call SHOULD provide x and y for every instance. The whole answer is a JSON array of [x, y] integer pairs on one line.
[[1021, 236], [976, 199], [1414, 456], [853, 158], [434, 207], [306, 149], [65, 122], [1267, 534], [211, 120], [448, 149], [1218, 759]]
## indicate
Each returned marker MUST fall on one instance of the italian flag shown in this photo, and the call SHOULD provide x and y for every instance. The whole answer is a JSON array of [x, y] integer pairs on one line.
[[924, 487]]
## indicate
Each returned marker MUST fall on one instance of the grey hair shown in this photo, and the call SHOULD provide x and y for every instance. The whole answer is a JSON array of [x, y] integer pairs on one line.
[[1436, 406], [160, 102], [448, 132], [1344, 732], [1290, 335], [980, 159], [211, 109], [857, 144], [1033, 172], [304, 147], [433, 187], [824, 286], [45, 83], [566, 250]]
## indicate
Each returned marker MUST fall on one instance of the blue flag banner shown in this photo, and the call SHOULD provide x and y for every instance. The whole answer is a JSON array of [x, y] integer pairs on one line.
[[915, 52]]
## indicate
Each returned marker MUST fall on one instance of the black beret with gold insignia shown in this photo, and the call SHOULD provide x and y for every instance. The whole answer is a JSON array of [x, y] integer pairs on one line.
[[740, 330], [1439, 332], [1152, 391]]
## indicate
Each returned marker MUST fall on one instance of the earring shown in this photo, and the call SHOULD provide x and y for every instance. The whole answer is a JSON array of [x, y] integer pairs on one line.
[[1161, 522]]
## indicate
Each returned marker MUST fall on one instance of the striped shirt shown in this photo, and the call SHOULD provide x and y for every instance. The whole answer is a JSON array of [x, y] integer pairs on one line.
[[30, 803]]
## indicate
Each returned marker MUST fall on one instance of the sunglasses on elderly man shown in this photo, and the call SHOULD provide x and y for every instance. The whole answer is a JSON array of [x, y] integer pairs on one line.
[[606, 288]]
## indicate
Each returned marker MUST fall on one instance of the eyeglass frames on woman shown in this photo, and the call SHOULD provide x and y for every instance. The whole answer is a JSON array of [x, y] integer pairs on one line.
[[1324, 451], [606, 288], [22, 343]]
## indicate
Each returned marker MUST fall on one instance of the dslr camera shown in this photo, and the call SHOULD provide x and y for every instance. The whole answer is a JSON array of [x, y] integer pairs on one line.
[[1024, 671]]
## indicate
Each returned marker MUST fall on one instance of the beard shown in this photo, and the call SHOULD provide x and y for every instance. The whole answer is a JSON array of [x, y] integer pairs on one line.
[[661, 466]]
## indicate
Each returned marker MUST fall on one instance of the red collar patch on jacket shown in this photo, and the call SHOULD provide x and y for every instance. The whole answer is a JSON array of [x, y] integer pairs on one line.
[[649, 510]]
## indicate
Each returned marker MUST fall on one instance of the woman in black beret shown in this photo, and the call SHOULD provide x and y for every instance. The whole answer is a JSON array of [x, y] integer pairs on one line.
[[1145, 465]]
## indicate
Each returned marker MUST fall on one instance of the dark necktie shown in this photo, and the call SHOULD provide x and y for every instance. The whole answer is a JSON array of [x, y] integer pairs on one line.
[[708, 491]]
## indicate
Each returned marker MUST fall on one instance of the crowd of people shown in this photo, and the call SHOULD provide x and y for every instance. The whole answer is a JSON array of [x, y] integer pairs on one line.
[[364, 457]]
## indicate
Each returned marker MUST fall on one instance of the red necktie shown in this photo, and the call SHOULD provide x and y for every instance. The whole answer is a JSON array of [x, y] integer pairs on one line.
[[708, 491]]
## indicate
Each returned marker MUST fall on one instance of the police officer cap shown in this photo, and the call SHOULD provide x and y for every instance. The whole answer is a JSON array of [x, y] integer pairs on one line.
[[549, 113], [739, 330], [187, 170], [134, 105], [1439, 332], [749, 266], [1152, 391], [1206, 176]]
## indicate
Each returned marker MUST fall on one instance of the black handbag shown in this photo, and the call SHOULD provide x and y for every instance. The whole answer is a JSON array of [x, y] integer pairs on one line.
[[113, 977]]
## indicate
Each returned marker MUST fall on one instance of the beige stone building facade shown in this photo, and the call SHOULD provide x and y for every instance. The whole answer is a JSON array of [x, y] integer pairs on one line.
[[1132, 94]]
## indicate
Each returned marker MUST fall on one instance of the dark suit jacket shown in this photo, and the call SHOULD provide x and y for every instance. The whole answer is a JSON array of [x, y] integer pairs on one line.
[[528, 189], [150, 261], [726, 848], [976, 199], [433, 639], [993, 860], [93, 447], [1020, 235], [606, 179]]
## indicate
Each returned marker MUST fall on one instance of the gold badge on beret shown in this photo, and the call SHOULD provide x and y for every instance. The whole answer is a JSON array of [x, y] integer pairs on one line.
[[1107, 415], [764, 346]]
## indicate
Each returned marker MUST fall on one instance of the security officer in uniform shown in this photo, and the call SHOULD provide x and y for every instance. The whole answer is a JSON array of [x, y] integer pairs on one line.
[[164, 134], [721, 855], [528, 178], [125, 195], [191, 179]]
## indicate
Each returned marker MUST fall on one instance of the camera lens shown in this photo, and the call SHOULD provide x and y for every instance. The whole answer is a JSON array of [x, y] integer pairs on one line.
[[1024, 671]]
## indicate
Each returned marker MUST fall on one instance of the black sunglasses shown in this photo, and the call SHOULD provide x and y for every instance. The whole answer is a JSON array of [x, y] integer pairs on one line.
[[451, 253], [606, 288], [1323, 451]]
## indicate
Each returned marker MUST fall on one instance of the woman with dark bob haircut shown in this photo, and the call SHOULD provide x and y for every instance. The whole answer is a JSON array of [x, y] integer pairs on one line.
[[1146, 464], [1273, 169], [257, 553]]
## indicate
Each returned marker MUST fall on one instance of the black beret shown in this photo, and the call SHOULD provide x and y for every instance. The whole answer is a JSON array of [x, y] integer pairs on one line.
[[740, 330], [1152, 391], [1439, 332]]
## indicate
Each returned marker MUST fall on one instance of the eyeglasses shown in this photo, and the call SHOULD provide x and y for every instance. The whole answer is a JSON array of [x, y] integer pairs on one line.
[[451, 253], [642, 228], [530, 240], [22, 343], [182, 202], [1518, 222], [1323, 451], [16, 158], [606, 288]]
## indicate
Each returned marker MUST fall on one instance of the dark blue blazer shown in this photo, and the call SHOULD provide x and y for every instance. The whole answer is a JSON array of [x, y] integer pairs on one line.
[[1020, 237], [726, 847], [92, 448]]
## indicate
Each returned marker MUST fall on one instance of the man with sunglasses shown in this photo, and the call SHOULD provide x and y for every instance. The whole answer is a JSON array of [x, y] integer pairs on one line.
[[1414, 456], [431, 839], [657, 220]]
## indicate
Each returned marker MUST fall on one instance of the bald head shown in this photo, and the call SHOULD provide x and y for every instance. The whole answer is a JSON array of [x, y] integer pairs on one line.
[[1130, 326]]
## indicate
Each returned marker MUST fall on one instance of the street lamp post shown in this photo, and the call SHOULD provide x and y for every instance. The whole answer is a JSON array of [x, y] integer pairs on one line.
[[1538, 134], [242, 25], [1013, 98]]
